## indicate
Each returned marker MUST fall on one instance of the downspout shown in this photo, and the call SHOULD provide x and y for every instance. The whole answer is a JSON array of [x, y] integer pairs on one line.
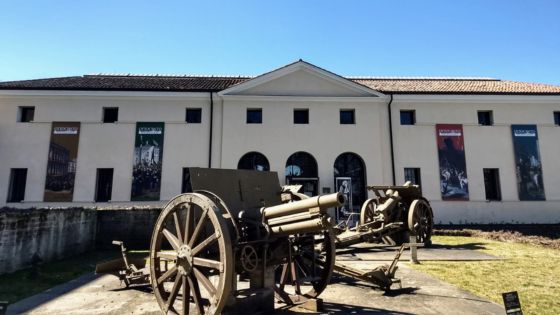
[[391, 139], [211, 129]]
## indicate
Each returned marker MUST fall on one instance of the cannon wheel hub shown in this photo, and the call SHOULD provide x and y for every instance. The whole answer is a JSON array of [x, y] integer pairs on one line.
[[184, 260]]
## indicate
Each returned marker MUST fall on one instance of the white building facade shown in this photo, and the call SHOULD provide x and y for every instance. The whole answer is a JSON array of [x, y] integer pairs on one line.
[[311, 126]]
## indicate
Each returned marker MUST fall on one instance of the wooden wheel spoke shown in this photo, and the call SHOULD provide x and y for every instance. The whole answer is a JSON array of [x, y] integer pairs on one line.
[[198, 228], [189, 221], [205, 282], [207, 242], [174, 241], [196, 295], [204, 262], [168, 274], [173, 294], [178, 227], [167, 255], [186, 296], [295, 279], [302, 266], [284, 276]]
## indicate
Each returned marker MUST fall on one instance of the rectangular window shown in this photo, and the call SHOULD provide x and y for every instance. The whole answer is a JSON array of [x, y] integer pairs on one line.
[[194, 115], [18, 178], [104, 185], [110, 114], [492, 184], [347, 117], [557, 118], [412, 174], [408, 117], [26, 113], [254, 116], [301, 116], [485, 118]]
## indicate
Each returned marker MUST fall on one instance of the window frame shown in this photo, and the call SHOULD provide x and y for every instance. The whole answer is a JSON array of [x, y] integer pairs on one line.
[[351, 111], [412, 112], [10, 195], [304, 121], [193, 109], [417, 174], [490, 117], [105, 119], [21, 117], [556, 118], [254, 110]]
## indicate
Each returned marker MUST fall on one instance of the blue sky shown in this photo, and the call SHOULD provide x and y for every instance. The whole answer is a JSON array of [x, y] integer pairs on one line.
[[514, 40]]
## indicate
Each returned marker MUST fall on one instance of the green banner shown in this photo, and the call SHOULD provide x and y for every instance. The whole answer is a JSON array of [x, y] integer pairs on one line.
[[148, 157]]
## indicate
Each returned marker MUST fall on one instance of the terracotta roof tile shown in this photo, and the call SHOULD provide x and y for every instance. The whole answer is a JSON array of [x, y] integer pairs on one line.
[[218, 83]]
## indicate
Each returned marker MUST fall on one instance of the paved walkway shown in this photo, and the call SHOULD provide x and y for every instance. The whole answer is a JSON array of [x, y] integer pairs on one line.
[[421, 293]]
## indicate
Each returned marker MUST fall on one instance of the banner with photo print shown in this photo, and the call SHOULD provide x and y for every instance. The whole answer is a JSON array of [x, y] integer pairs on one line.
[[148, 157], [454, 184], [61, 162], [527, 162]]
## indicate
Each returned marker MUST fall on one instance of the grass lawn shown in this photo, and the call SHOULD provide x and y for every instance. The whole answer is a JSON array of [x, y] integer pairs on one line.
[[28, 282], [532, 271]]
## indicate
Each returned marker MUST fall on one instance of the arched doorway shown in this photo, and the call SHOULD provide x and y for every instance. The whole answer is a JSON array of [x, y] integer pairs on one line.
[[350, 178], [301, 169], [253, 161]]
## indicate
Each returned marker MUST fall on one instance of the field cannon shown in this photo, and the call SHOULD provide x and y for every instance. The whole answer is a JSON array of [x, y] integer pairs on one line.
[[238, 236], [394, 214]]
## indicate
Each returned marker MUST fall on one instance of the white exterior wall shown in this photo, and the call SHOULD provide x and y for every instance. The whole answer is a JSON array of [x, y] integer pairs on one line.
[[26, 145], [324, 137], [485, 147]]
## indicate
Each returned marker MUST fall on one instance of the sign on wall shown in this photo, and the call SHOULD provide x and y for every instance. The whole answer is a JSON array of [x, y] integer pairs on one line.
[[61, 162], [148, 156], [527, 162], [454, 184], [344, 186]]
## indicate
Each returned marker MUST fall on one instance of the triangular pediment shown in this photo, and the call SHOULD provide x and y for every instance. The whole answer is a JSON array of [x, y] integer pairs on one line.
[[301, 79]]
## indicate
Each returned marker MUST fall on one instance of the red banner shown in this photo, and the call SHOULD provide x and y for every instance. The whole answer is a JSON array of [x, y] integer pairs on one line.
[[454, 184]]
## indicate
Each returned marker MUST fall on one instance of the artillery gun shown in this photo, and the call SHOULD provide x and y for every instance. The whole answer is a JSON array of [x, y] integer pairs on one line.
[[236, 225], [394, 214]]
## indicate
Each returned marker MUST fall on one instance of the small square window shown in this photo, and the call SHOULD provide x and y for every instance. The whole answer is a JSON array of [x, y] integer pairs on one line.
[[408, 117], [26, 113], [557, 118], [301, 116], [110, 114], [485, 118], [347, 117], [194, 115], [254, 116]]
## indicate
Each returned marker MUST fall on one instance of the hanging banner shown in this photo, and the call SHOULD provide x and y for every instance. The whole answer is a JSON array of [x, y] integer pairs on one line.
[[148, 155], [344, 186], [61, 163], [527, 162], [452, 165]]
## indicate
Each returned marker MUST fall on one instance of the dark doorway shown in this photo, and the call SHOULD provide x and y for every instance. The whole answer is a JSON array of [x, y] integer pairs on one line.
[[18, 179], [301, 169], [104, 184], [492, 184], [349, 170], [253, 161]]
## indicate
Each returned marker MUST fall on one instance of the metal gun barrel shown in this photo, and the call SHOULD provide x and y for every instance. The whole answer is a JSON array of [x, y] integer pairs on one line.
[[307, 226], [321, 202]]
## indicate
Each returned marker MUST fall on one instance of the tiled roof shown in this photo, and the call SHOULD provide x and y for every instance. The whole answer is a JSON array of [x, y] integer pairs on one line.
[[218, 83], [456, 86]]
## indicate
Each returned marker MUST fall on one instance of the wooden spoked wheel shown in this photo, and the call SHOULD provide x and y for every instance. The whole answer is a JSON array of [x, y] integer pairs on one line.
[[420, 221], [191, 238], [367, 213], [308, 268]]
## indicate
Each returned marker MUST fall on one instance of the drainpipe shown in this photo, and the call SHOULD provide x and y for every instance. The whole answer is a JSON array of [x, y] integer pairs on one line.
[[391, 139], [211, 127]]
